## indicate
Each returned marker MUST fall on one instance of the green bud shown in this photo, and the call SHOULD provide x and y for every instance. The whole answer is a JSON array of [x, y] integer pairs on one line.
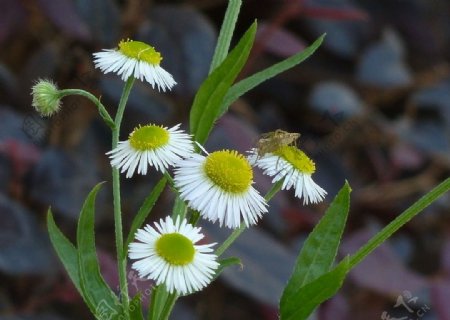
[[46, 97]]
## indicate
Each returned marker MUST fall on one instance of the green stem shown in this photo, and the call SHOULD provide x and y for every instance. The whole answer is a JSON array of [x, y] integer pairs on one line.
[[120, 110], [226, 33], [170, 302], [229, 241], [274, 190], [101, 108], [398, 222], [237, 232], [121, 258]]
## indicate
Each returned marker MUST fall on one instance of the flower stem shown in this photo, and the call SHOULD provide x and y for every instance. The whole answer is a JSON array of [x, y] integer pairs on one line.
[[101, 108], [274, 190], [121, 258], [120, 110], [237, 232], [229, 241]]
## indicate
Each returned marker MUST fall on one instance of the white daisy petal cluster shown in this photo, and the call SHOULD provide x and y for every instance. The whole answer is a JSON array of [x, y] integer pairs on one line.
[[295, 168], [137, 59], [219, 186], [168, 254], [151, 145]]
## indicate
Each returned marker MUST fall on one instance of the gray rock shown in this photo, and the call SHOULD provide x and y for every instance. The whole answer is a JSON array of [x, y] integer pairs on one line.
[[335, 98], [382, 64]]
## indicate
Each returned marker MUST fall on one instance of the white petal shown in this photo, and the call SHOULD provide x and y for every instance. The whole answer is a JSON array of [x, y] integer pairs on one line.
[[211, 201], [183, 279], [125, 158], [280, 169], [124, 66]]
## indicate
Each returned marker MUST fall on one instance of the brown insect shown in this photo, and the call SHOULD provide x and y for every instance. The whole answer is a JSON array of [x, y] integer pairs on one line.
[[272, 141]]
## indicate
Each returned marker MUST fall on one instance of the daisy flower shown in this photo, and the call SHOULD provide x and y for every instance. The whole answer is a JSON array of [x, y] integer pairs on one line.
[[219, 186], [169, 255], [295, 168], [151, 145], [137, 59]]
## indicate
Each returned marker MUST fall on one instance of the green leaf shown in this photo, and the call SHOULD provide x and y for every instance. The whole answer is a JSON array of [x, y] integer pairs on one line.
[[225, 263], [206, 106], [66, 251], [168, 306], [144, 211], [136, 308], [320, 248], [398, 222], [100, 298], [226, 33], [303, 302], [179, 209], [157, 302], [251, 82]]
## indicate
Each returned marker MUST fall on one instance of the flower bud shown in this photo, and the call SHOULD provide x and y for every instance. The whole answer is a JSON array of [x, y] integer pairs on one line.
[[46, 97]]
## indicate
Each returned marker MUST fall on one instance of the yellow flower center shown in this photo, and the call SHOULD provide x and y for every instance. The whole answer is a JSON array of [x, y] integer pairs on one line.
[[148, 137], [297, 158], [175, 248], [140, 51], [229, 170]]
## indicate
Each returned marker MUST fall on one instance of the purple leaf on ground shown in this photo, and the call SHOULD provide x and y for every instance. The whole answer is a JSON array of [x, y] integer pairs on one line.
[[279, 41], [64, 15], [336, 308], [328, 13], [344, 36], [440, 293], [445, 257], [383, 270], [406, 157]]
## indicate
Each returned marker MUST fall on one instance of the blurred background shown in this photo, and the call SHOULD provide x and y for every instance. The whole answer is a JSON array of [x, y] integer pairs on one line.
[[372, 106]]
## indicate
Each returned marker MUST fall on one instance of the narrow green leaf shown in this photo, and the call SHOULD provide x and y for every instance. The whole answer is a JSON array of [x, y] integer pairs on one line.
[[144, 211], [206, 106], [168, 306], [320, 248], [225, 263], [195, 217], [157, 302], [226, 33], [398, 222], [303, 302], [136, 308], [102, 300], [179, 208], [251, 82], [66, 251]]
